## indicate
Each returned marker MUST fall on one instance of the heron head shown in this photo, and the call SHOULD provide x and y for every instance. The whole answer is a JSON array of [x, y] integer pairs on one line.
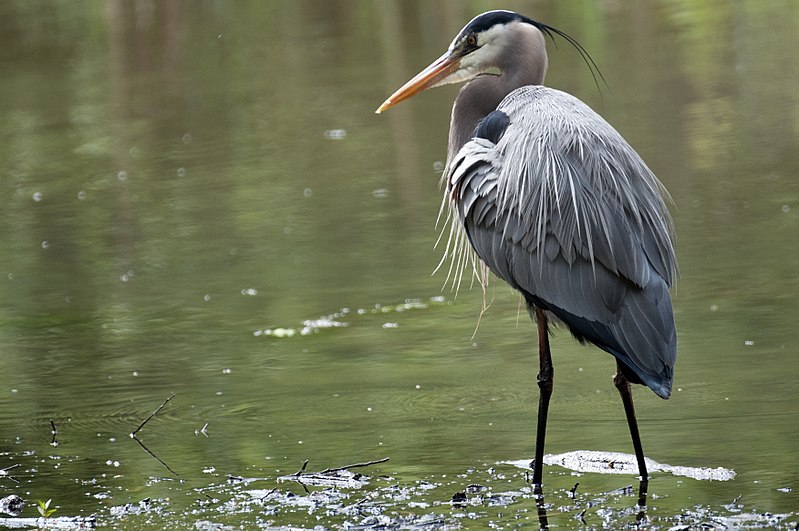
[[493, 43]]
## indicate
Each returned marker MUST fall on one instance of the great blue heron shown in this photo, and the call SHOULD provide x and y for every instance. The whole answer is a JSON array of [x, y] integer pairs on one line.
[[555, 202]]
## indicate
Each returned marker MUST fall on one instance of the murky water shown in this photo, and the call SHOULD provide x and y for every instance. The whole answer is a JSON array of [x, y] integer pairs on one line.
[[198, 199]]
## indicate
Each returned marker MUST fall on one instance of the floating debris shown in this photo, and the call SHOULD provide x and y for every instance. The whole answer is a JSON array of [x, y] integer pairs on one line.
[[52, 522], [336, 134], [620, 463], [312, 326], [12, 505]]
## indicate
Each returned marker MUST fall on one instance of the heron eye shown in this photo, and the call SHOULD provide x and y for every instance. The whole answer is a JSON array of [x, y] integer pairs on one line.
[[471, 40]]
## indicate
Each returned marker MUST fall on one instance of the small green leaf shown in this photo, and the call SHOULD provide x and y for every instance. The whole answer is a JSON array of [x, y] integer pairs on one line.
[[44, 508]]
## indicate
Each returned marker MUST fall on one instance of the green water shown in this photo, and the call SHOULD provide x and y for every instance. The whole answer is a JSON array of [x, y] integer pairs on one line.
[[178, 177]]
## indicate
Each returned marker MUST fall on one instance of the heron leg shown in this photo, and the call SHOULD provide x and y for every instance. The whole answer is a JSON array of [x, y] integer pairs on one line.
[[625, 390], [545, 378]]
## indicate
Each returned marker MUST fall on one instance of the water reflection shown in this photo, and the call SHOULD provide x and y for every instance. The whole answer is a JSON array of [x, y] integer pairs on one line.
[[165, 152]]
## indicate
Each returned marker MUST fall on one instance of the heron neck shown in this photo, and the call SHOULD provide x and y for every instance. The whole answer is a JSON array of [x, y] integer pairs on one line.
[[475, 100], [483, 94]]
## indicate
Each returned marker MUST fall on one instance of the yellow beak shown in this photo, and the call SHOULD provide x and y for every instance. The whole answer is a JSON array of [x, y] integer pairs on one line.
[[429, 77]]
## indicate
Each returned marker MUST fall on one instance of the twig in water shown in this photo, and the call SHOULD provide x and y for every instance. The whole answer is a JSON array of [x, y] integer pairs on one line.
[[301, 470], [4, 472], [154, 413], [54, 432], [356, 465], [265, 496], [134, 432]]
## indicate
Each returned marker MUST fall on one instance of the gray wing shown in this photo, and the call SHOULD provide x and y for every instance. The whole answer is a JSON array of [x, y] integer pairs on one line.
[[564, 210]]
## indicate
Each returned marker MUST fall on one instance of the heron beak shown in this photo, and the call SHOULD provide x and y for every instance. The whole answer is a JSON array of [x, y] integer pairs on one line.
[[431, 76]]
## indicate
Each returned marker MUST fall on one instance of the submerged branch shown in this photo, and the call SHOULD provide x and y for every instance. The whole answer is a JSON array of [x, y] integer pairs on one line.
[[135, 438], [154, 413]]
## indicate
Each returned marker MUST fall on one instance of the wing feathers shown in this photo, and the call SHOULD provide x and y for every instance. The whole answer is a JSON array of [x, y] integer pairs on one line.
[[566, 212]]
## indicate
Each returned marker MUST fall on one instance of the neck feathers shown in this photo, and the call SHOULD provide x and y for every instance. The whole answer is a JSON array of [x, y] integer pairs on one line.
[[522, 60]]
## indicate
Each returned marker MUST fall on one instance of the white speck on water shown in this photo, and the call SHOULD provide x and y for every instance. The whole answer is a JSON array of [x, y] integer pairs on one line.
[[299, 442], [112, 463], [579, 369], [418, 386], [679, 389], [390, 325], [112, 439], [329, 321], [37, 196], [361, 311], [336, 134], [726, 398], [786, 209], [124, 277], [368, 409], [249, 291], [280, 332], [380, 193], [11, 276], [13, 390], [181, 172], [81, 195], [209, 470], [45, 244], [714, 307], [438, 166], [307, 192], [785, 489], [187, 138], [226, 371], [122, 175], [437, 298], [135, 373], [749, 342], [206, 298]]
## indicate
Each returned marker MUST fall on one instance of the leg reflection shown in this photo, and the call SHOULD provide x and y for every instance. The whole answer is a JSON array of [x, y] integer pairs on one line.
[[643, 487], [541, 506]]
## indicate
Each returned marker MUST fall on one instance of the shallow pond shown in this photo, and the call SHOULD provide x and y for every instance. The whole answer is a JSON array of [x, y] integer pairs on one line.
[[199, 200]]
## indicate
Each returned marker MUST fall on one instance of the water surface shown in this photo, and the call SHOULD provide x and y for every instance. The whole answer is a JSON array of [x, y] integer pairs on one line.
[[179, 178]]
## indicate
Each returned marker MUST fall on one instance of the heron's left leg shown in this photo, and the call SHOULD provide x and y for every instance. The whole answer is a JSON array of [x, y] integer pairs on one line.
[[623, 385], [545, 378]]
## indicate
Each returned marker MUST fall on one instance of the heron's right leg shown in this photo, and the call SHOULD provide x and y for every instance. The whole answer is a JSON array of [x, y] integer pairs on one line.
[[623, 385], [545, 377]]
